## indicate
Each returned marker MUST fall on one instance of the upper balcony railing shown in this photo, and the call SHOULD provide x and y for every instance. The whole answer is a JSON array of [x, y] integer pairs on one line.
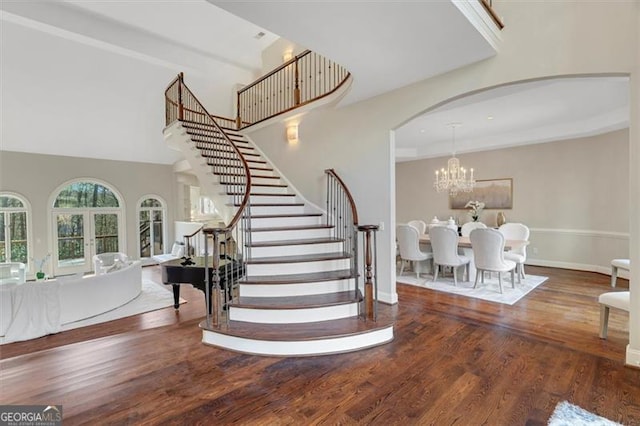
[[305, 78]]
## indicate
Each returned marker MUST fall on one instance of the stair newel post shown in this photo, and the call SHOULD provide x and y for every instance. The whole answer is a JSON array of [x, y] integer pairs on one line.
[[215, 278], [180, 105], [296, 90], [354, 263], [238, 115], [370, 297]]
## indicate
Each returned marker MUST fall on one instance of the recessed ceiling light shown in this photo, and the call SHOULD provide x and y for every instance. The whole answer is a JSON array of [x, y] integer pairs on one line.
[[490, 117], [421, 130], [259, 35]]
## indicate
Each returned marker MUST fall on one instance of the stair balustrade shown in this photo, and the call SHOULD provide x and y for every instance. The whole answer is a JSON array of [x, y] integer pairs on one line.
[[305, 78], [342, 215], [225, 159]]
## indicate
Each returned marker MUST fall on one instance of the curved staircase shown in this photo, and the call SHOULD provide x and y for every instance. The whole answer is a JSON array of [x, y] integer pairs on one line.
[[300, 294]]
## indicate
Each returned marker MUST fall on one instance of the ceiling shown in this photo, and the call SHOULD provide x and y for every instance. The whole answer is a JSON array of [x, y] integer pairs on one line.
[[518, 114], [78, 67]]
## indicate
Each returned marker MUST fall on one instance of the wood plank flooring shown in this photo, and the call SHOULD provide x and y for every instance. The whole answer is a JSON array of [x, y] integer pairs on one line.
[[454, 360]]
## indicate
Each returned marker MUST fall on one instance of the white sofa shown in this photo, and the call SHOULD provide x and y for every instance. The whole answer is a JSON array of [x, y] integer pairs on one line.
[[37, 308]]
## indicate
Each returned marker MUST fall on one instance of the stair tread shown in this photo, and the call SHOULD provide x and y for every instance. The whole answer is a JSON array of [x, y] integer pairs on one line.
[[307, 277], [263, 194], [267, 185], [252, 176], [299, 258], [275, 216], [218, 139], [306, 331], [217, 135], [291, 228], [248, 160], [300, 242], [273, 204], [298, 302]]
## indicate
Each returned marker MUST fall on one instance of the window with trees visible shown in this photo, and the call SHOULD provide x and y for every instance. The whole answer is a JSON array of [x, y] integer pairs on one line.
[[14, 217], [86, 195], [69, 205], [151, 226]]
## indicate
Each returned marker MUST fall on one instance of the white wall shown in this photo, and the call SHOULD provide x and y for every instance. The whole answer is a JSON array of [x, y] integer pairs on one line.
[[541, 39], [562, 190], [36, 176]]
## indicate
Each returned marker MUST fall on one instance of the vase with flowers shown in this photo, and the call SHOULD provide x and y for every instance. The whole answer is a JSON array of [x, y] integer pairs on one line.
[[475, 208], [40, 266]]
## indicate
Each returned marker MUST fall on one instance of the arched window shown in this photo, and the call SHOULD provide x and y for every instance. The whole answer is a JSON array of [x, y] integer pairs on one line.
[[87, 220], [84, 195], [14, 228], [152, 226]]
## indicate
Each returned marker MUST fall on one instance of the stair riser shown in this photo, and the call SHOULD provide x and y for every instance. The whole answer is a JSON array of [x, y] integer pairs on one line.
[[277, 210], [257, 180], [293, 316], [297, 289], [289, 235], [285, 221], [297, 268], [330, 345], [258, 199], [265, 190], [295, 249]]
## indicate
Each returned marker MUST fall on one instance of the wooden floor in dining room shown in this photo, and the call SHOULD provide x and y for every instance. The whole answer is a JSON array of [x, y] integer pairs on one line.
[[454, 360]]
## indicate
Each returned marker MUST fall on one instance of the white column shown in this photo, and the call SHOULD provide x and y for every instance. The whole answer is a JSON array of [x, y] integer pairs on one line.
[[633, 349]]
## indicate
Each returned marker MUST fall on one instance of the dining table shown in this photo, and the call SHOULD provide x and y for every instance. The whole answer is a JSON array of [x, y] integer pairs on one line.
[[464, 243]]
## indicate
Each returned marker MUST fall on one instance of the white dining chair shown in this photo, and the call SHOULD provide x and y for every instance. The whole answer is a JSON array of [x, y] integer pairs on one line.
[[615, 299], [618, 264], [470, 226], [444, 245], [420, 225], [409, 246], [488, 253], [516, 231]]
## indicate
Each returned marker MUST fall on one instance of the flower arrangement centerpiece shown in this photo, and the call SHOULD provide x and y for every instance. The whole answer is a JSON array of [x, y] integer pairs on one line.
[[475, 208], [40, 266]]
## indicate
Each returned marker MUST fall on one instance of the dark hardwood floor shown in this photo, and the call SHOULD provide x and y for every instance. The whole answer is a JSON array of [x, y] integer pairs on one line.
[[454, 360]]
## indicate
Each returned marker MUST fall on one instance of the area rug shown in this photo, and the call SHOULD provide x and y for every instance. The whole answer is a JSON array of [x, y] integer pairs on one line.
[[152, 297], [567, 414], [490, 290]]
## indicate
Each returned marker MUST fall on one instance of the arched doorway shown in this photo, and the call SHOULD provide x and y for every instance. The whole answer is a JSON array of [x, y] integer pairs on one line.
[[87, 220]]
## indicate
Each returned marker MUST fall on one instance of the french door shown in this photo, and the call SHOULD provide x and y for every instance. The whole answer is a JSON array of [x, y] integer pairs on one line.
[[81, 234]]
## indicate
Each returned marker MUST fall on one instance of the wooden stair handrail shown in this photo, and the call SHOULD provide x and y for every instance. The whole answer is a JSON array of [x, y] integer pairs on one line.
[[354, 209], [284, 89], [182, 87]]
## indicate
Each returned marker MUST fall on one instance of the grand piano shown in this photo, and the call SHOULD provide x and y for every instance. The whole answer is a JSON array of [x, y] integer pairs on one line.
[[192, 271]]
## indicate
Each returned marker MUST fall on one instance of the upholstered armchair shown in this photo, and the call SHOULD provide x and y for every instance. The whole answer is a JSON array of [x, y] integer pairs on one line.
[[106, 262], [12, 273]]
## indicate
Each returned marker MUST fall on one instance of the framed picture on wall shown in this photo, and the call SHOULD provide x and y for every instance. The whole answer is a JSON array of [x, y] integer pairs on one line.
[[494, 193]]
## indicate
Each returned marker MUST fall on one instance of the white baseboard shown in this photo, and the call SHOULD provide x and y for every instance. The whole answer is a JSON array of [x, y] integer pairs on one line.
[[633, 357], [606, 270]]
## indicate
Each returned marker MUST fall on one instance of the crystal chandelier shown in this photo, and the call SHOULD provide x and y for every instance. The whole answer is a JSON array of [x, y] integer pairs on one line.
[[454, 178]]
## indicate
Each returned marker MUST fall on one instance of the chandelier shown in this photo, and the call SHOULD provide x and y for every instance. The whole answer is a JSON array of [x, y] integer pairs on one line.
[[454, 178]]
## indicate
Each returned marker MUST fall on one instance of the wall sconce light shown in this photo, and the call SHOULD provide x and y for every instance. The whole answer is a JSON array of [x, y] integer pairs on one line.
[[287, 56], [292, 132]]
